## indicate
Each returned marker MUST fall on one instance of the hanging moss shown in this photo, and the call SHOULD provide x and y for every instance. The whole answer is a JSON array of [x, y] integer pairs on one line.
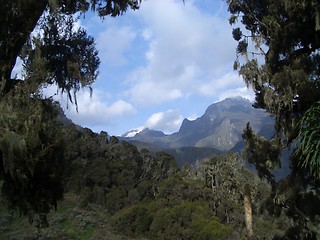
[[13, 148]]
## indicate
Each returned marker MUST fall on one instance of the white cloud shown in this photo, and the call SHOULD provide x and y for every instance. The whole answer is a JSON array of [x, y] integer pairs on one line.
[[147, 34], [168, 122], [216, 86], [243, 92], [186, 48], [93, 111], [229, 85], [166, 52], [192, 117], [18, 70], [113, 44]]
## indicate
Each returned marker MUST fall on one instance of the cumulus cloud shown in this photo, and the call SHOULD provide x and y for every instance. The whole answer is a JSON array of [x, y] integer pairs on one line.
[[186, 48], [93, 111], [113, 44], [193, 117], [18, 71], [242, 91], [216, 86], [171, 53], [229, 85], [168, 121]]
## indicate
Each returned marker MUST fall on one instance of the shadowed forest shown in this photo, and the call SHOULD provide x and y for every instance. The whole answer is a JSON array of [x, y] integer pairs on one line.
[[61, 181]]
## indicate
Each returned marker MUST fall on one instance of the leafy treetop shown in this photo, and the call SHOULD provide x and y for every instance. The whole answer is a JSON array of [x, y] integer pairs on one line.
[[287, 35], [282, 59], [278, 56], [56, 42], [32, 150]]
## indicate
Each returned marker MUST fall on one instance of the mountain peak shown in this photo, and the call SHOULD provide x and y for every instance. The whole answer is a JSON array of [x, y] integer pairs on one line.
[[234, 104], [150, 133], [132, 132], [220, 127]]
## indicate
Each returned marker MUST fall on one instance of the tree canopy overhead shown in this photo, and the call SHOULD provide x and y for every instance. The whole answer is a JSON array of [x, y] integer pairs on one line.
[[43, 35], [278, 56], [72, 52], [287, 35]]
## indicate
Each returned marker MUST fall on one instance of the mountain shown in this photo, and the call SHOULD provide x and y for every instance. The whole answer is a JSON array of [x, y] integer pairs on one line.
[[183, 156], [220, 127], [149, 133]]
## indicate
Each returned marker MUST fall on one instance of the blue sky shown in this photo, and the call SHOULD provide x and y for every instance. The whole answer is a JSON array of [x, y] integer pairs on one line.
[[163, 63]]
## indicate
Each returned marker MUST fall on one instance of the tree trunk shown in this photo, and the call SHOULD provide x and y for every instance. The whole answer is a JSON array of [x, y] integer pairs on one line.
[[18, 19], [248, 210]]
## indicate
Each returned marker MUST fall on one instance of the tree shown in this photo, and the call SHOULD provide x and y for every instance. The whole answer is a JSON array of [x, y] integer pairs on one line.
[[31, 157], [310, 140], [286, 35], [280, 43], [42, 34], [19, 18], [237, 194]]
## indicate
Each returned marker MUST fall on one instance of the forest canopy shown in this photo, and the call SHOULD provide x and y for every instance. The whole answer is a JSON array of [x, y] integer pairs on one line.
[[42, 34], [278, 57]]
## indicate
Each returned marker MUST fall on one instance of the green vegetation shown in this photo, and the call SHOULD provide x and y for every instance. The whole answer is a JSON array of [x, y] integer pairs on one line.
[[31, 139], [278, 56], [111, 187], [112, 184]]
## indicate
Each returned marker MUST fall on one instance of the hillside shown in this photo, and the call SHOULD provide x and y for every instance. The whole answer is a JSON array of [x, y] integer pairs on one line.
[[113, 190], [183, 155], [217, 131], [221, 125]]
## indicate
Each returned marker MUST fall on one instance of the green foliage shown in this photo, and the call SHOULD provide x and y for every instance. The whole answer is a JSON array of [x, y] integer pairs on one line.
[[262, 153], [148, 197], [61, 55], [109, 172], [133, 221], [284, 33], [32, 149], [188, 220], [227, 178], [113, 7], [309, 135], [283, 70], [212, 230], [182, 207]]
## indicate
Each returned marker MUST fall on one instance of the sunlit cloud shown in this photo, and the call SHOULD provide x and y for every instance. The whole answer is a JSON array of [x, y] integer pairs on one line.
[[168, 121], [93, 111], [217, 86], [113, 44], [186, 49], [242, 91], [167, 55]]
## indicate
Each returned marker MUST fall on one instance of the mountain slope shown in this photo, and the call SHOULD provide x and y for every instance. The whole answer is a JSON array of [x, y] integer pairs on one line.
[[182, 155], [220, 127]]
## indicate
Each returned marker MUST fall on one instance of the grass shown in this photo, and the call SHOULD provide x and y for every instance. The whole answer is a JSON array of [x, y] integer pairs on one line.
[[65, 207], [87, 233], [68, 222]]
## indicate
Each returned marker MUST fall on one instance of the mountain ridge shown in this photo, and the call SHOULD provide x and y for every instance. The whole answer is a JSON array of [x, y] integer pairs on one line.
[[220, 127]]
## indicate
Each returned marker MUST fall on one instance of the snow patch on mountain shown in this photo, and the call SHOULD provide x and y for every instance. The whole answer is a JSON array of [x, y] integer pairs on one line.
[[133, 132]]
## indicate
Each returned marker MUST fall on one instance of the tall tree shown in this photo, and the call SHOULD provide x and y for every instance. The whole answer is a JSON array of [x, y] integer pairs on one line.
[[286, 34], [42, 34], [278, 56], [20, 18]]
